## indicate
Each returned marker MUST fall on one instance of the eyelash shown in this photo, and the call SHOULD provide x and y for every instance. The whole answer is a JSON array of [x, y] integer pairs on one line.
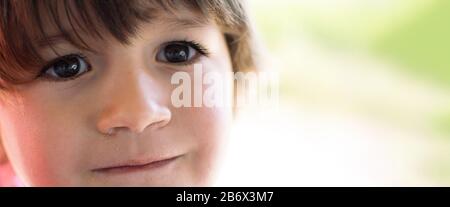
[[195, 45], [42, 73]]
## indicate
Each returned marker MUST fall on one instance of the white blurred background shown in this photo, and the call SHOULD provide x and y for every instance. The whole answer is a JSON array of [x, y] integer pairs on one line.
[[364, 96]]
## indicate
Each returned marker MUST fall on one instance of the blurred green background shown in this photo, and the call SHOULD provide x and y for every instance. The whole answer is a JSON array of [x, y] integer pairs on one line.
[[412, 32], [383, 61]]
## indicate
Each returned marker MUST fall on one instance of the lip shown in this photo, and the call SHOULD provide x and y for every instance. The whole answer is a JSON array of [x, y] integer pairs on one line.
[[137, 165]]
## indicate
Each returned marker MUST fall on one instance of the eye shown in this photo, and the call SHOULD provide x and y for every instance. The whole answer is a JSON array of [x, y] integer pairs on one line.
[[180, 52], [66, 68]]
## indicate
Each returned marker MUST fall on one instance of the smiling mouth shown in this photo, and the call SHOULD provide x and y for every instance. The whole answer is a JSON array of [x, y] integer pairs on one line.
[[136, 166]]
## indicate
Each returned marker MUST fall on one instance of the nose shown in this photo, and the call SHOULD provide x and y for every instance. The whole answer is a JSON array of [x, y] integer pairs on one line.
[[133, 106]]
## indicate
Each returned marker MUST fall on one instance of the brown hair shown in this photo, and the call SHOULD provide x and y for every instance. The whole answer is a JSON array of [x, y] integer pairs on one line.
[[22, 20]]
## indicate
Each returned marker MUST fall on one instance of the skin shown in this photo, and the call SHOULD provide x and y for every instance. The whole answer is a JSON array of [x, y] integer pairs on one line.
[[58, 133]]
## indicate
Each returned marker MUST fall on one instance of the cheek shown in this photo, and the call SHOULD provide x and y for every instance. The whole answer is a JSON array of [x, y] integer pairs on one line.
[[208, 128], [38, 143]]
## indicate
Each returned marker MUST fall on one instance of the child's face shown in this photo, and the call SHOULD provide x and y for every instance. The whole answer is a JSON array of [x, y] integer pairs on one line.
[[105, 125]]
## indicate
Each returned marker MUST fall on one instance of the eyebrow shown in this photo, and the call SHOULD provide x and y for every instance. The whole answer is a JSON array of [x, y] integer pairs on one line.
[[176, 23]]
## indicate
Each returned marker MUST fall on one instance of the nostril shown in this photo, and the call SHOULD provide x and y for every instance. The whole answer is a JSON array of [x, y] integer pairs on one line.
[[158, 124], [113, 131], [151, 126], [110, 132], [133, 117]]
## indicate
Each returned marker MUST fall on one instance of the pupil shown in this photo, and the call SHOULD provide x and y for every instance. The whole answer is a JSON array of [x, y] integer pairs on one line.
[[176, 53], [67, 67]]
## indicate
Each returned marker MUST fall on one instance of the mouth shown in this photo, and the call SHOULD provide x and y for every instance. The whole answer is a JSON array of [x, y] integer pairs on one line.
[[136, 165]]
